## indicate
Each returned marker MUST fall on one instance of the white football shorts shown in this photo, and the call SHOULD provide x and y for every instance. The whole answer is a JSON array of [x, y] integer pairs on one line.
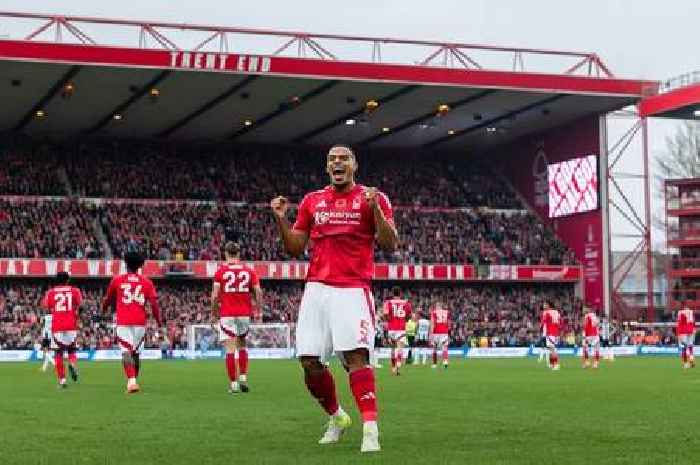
[[63, 339], [131, 338], [592, 341], [233, 326], [396, 335], [552, 342], [686, 339], [334, 319], [440, 340]]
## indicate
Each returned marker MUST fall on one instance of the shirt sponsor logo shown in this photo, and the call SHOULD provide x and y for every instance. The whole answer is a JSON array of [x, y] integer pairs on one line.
[[336, 217]]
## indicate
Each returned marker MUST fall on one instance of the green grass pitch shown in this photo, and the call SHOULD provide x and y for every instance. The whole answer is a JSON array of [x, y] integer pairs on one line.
[[633, 411]]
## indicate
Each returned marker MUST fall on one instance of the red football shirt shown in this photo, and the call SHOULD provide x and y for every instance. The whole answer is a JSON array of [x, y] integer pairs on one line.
[[397, 311], [551, 321], [590, 324], [63, 302], [685, 322], [237, 282], [131, 291], [440, 319], [341, 229]]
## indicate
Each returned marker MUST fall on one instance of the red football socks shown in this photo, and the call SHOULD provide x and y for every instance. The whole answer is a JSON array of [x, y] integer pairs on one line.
[[243, 361], [322, 387], [129, 370], [553, 359], [60, 369], [72, 358], [585, 354], [363, 389], [445, 354], [231, 366]]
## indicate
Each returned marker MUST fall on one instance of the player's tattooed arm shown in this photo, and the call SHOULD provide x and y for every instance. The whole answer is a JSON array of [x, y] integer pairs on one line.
[[293, 239], [258, 303], [387, 236], [215, 289]]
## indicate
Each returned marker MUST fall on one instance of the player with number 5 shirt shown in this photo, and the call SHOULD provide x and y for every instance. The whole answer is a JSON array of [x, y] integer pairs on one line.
[[129, 293], [342, 222]]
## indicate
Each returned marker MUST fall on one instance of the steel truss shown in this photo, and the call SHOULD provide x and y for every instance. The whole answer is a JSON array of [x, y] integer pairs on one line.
[[158, 35], [618, 199]]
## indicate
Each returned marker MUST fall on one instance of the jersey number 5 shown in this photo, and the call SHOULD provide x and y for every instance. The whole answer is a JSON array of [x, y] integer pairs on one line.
[[242, 279]]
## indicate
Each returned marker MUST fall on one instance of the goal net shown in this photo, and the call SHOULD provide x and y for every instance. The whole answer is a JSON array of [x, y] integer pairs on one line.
[[203, 338]]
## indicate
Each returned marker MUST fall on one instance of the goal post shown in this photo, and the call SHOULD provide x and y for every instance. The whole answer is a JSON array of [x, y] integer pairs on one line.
[[268, 340]]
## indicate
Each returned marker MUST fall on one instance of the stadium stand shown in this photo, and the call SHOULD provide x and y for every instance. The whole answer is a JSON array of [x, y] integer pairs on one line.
[[108, 198], [506, 315]]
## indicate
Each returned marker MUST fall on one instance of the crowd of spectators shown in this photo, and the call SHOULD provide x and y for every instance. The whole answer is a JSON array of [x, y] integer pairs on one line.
[[197, 231], [27, 170], [244, 174], [504, 315], [47, 229], [429, 194]]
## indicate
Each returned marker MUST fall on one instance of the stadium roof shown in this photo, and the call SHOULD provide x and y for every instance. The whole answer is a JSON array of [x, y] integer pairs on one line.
[[71, 89], [679, 103]]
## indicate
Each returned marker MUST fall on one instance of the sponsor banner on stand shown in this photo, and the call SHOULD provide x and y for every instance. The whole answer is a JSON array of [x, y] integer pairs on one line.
[[15, 355], [623, 350], [493, 352], [292, 270], [658, 350]]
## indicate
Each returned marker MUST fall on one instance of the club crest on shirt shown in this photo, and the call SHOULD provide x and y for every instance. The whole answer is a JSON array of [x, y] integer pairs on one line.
[[356, 204], [321, 217], [321, 204]]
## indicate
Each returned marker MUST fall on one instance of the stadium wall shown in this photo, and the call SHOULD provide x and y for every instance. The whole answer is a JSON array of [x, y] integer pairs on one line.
[[490, 352], [525, 165]]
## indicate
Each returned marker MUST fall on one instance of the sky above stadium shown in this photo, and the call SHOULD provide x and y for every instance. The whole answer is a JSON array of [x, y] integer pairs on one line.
[[642, 39]]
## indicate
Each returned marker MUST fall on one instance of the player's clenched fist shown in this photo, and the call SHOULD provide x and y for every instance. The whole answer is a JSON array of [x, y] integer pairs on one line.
[[371, 196], [279, 206]]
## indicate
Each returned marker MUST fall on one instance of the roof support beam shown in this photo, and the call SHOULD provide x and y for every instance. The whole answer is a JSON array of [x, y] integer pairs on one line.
[[121, 108], [207, 106], [492, 121], [427, 116], [323, 88], [41, 104], [353, 114]]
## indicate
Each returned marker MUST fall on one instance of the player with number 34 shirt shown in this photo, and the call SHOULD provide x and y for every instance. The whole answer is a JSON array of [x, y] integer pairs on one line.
[[129, 293]]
